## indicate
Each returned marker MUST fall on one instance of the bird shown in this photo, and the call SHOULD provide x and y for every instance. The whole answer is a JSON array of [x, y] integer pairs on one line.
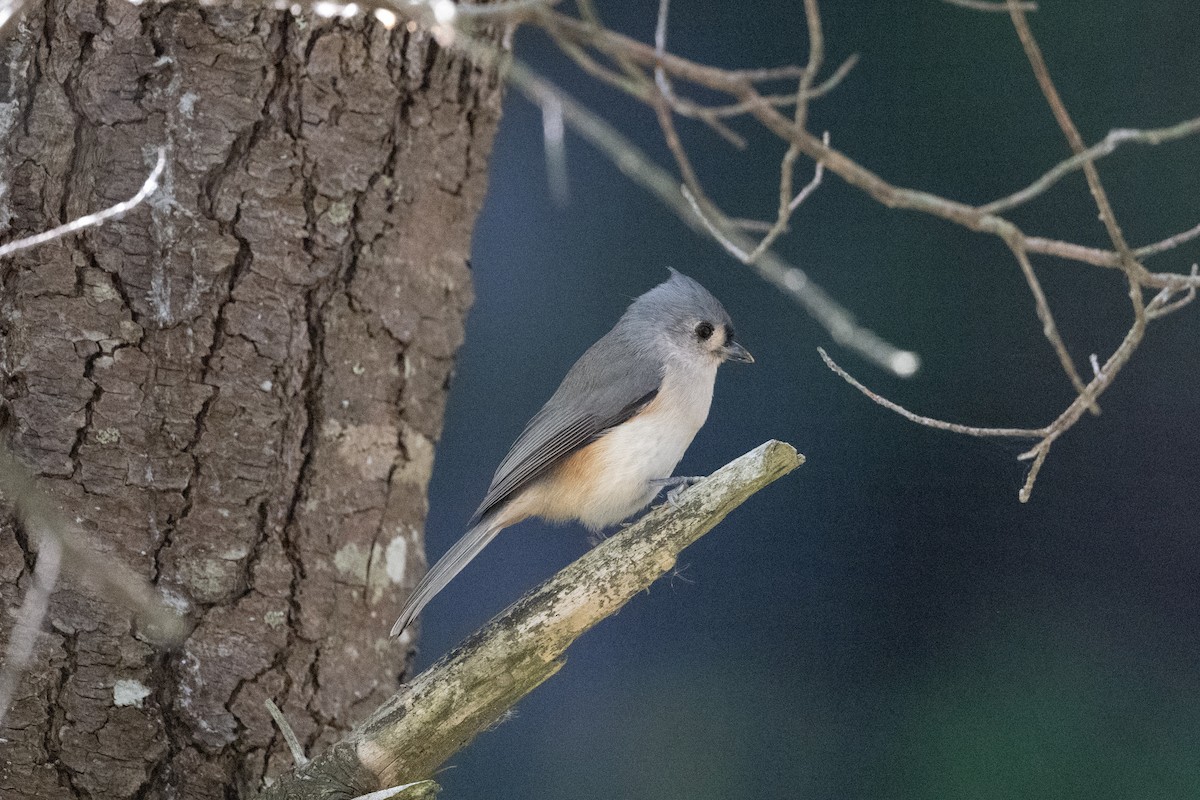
[[608, 440]]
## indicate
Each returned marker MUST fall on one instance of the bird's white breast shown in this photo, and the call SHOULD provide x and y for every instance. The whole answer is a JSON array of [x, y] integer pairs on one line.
[[646, 447]]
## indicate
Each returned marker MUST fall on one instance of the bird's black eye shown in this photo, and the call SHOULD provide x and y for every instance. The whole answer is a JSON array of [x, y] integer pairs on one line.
[[704, 330]]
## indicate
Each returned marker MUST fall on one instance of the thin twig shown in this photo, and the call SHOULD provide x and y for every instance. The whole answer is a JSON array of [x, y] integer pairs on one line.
[[811, 186], [1042, 450], [1096, 387], [785, 212], [1166, 302], [289, 735], [1107, 145], [112, 212], [660, 46], [764, 74], [554, 143], [930, 422], [1042, 73], [782, 100], [29, 621], [506, 9], [984, 5], [1169, 243], [8, 10], [678, 104], [1107, 258], [816, 59], [642, 90], [115, 581], [787, 166], [1049, 326], [707, 211], [1133, 269], [716, 233], [750, 225], [395, 791]]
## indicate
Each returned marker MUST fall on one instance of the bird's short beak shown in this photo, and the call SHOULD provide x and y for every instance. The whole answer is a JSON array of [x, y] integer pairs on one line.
[[735, 352]]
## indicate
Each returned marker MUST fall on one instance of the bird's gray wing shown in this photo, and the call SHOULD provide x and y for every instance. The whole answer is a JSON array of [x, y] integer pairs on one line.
[[608, 385]]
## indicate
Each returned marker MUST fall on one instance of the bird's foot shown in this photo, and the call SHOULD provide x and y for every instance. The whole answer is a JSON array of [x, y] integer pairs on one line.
[[595, 538], [675, 487]]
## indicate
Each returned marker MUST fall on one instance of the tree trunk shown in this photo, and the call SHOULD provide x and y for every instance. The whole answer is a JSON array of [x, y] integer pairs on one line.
[[236, 388]]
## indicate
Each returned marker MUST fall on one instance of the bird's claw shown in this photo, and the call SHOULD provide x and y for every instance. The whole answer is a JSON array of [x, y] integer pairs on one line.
[[675, 487]]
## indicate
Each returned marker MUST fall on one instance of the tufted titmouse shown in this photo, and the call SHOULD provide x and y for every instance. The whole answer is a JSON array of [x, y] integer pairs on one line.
[[608, 440]]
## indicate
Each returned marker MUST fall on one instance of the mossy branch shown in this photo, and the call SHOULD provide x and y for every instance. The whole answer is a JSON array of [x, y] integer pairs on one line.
[[468, 690]]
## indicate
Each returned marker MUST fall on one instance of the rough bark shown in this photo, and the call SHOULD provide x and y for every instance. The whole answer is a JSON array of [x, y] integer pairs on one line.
[[237, 388]]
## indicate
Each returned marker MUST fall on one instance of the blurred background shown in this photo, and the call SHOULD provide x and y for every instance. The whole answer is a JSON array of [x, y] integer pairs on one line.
[[888, 621]]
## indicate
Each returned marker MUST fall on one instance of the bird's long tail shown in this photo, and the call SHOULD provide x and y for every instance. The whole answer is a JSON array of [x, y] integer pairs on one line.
[[445, 569]]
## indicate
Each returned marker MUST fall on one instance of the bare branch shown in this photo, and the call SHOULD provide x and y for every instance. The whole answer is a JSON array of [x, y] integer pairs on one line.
[[684, 107], [812, 185], [112, 212], [1096, 387], [1107, 258], [467, 691], [503, 9], [787, 204], [710, 226], [581, 37], [1167, 302], [660, 45], [1034, 53], [289, 735], [554, 139], [639, 168], [117, 582], [739, 83], [1111, 142], [642, 90], [984, 5], [414, 790], [1129, 264], [8, 10], [930, 422], [1049, 327], [443, 18], [826, 86], [1041, 451], [753, 225], [29, 621], [1169, 243]]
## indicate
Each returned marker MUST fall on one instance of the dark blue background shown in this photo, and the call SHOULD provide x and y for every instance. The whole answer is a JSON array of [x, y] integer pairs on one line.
[[887, 622]]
